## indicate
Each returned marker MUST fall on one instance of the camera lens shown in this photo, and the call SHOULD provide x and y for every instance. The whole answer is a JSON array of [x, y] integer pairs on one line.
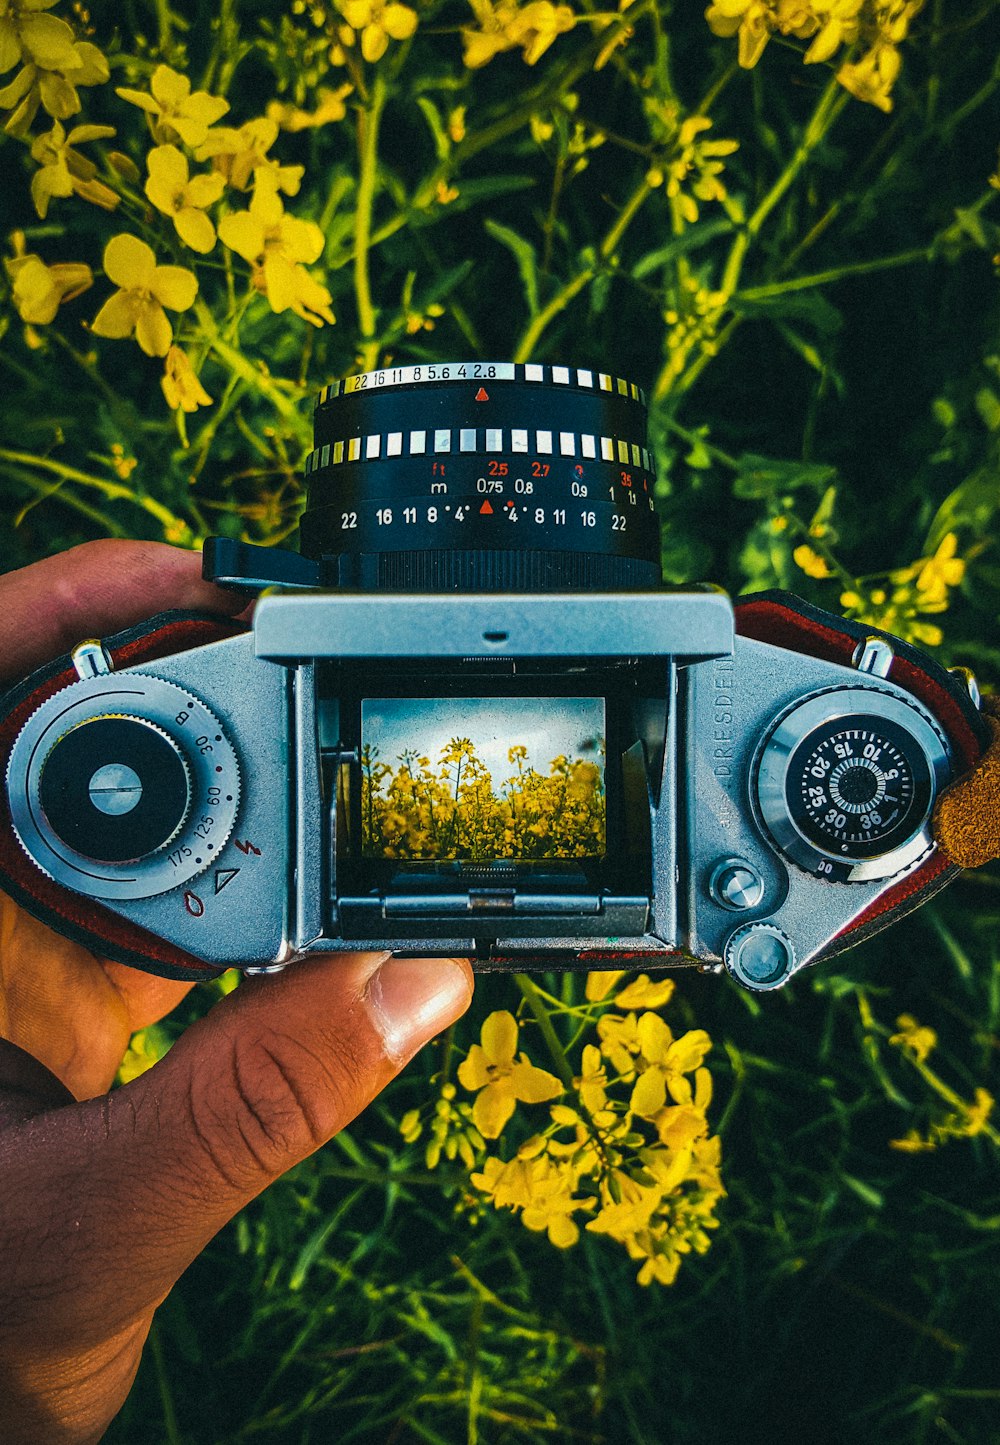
[[482, 476]]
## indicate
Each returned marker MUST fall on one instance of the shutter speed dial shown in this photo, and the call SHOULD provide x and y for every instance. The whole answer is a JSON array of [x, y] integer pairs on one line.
[[123, 786]]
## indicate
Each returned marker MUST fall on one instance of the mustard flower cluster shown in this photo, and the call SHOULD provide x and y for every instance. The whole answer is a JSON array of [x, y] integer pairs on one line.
[[866, 34], [211, 182], [626, 1151], [961, 1119], [692, 169], [505, 25], [52, 63], [908, 595]]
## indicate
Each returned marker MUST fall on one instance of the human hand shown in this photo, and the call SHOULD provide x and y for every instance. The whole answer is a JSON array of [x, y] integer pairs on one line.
[[106, 1198]]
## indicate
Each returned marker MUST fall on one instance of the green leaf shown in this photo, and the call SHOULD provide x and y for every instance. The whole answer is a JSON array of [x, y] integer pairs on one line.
[[692, 239], [988, 407], [525, 255], [974, 504], [808, 306], [764, 478], [442, 140]]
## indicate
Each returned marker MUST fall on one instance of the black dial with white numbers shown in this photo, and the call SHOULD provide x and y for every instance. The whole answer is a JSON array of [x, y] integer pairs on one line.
[[845, 782], [859, 787]]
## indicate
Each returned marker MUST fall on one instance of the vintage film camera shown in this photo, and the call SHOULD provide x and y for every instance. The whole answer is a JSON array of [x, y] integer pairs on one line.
[[467, 720]]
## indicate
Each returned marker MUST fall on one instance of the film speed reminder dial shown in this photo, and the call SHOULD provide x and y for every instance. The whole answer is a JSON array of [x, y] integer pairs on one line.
[[123, 786], [846, 783]]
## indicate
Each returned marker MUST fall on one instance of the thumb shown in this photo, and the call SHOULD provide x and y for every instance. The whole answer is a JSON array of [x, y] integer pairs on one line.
[[151, 1172]]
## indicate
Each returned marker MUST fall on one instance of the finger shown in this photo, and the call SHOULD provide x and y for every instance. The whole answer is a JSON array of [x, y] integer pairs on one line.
[[148, 1175], [27, 1087], [68, 1009], [94, 589]]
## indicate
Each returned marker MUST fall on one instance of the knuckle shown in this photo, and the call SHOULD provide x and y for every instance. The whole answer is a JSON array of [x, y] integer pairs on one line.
[[281, 1099]]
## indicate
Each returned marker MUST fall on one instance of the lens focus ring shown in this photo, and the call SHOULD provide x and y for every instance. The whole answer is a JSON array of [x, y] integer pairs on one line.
[[482, 476]]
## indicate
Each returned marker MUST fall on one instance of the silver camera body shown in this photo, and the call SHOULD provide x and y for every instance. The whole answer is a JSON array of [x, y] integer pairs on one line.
[[758, 800]]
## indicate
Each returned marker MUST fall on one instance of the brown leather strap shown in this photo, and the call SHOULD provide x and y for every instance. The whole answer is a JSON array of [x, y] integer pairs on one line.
[[967, 815]]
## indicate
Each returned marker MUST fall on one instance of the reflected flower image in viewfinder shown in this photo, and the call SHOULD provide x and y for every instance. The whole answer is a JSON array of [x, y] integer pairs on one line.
[[483, 778]]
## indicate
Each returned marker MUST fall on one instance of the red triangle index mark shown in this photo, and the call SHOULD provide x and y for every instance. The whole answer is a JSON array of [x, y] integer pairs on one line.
[[482, 394], [486, 509]]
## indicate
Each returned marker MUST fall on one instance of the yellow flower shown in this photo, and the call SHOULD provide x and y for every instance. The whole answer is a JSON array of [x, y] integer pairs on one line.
[[508, 1185], [539, 1186], [620, 1041], [643, 993], [240, 155], [293, 118], [184, 199], [978, 1112], [872, 77], [144, 290], [912, 1143], [552, 1202], [916, 1038], [175, 108], [276, 245], [39, 290], [693, 170], [830, 24], [501, 1082], [26, 34], [632, 1212], [838, 25], [54, 87], [667, 1060], [592, 1083], [506, 25], [63, 171], [599, 985], [181, 387], [379, 23], [811, 563], [753, 20], [940, 572]]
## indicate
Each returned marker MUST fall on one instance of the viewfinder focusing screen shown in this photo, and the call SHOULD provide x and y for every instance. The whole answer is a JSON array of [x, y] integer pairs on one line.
[[483, 779]]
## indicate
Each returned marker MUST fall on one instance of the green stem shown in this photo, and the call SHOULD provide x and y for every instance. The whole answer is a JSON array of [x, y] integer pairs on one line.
[[835, 273], [44, 490], [114, 491], [536, 1004], [163, 1383], [256, 379], [562, 298], [164, 24], [368, 129], [828, 108]]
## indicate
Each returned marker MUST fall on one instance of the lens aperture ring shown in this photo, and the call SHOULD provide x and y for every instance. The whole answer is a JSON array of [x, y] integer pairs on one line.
[[483, 371]]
